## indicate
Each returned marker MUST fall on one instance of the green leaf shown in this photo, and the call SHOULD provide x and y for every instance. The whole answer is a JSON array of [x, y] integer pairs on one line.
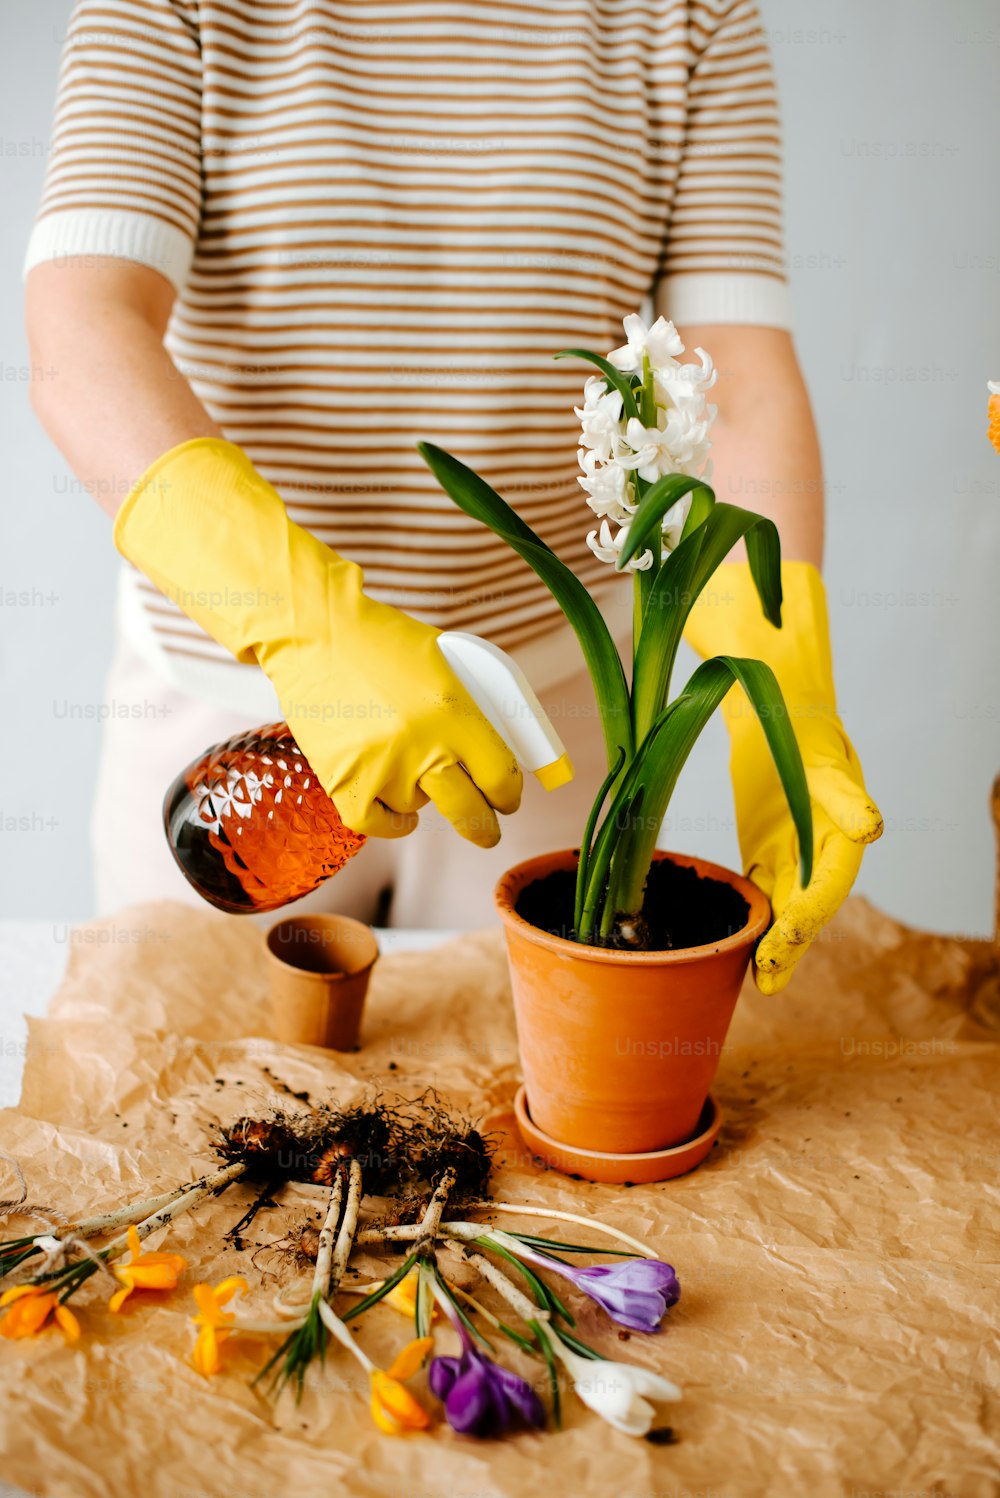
[[534, 1240], [550, 1362], [374, 1296], [644, 526], [761, 686], [702, 502], [613, 376], [678, 585], [544, 1295], [658, 764], [476, 498], [588, 836]]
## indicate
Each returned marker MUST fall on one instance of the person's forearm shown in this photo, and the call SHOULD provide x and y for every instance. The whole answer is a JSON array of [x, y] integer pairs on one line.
[[106, 390], [764, 447]]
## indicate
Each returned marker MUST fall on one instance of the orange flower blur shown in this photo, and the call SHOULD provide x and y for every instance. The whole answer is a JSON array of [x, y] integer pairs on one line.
[[394, 1408], [29, 1309], [214, 1324], [993, 415], [145, 1271]]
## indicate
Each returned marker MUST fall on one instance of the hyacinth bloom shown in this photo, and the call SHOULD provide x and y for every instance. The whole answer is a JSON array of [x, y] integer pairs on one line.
[[673, 439], [145, 1271], [31, 1308], [636, 1293], [993, 413], [480, 1397], [214, 1323]]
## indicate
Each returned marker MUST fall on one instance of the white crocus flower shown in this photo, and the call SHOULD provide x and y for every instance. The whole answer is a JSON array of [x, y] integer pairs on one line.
[[608, 547], [661, 342], [619, 1392]]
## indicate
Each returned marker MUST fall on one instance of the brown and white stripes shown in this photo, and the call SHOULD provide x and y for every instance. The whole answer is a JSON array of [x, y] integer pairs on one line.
[[383, 218]]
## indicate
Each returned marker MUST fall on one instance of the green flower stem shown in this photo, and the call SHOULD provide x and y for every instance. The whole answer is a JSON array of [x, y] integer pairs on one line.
[[468, 1231], [545, 1346], [505, 1287], [376, 1295], [422, 1234], [544, 1296], [445, 1296], [588, 838], [67, 1281]]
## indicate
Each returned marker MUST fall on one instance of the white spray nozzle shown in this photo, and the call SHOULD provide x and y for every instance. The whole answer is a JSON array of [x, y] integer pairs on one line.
[[503, 694]]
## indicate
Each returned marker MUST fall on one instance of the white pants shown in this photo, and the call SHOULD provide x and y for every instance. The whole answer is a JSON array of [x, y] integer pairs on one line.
[[433, 878]]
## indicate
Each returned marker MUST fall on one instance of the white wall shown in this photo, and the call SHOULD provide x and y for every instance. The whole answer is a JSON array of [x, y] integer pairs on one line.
[[892, 143]]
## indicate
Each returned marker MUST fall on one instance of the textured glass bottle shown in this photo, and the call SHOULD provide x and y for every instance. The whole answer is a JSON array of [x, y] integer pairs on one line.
[[249, 825]]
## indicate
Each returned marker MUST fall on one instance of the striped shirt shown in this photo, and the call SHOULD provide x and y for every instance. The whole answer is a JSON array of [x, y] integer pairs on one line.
[[383, 218]]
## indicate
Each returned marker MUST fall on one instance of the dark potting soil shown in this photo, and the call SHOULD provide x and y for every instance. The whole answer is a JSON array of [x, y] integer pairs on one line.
[[681, 908]]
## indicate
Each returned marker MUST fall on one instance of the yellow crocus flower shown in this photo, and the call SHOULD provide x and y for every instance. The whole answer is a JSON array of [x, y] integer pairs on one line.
[[29, 1308], [214, 1324], [394, 1408], [145, 1271]]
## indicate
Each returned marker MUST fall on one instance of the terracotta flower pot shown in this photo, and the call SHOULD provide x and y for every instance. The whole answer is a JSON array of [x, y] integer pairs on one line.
[[619, 1049]]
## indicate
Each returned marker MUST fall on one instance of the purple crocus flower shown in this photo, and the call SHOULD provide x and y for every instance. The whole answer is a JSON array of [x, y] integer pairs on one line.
[[480, 1398], [636, 1293]]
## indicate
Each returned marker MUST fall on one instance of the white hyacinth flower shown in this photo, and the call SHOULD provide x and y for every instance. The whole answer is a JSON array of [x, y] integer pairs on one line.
[[619, 1392], [607, 486], [600, 416], [608, 547], [615, 448], [661, 342]]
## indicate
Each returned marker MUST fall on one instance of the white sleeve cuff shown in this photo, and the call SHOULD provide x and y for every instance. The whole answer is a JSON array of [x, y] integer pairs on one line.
[[113, 232], [719, 297]]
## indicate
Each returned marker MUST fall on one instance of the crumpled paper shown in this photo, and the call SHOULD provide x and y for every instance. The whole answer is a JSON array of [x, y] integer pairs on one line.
[[837, 1251]]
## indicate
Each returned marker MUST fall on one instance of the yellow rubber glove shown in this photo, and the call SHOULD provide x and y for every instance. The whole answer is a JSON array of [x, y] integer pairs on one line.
[[730, 622], [364, 688]]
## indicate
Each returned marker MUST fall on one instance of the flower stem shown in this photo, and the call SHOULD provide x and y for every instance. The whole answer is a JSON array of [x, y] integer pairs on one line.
[[324, 1253], [504, 1286], [207, 1186], [68, 1280], [348, 1228], [92, 1227], [557, 1216], [431, 1223], [87, 1227]]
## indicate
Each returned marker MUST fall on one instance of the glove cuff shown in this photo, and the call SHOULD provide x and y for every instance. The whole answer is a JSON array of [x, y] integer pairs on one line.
[[214, 536]]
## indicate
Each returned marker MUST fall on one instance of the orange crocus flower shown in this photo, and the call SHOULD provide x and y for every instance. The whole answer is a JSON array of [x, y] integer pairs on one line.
[[29, 1308], [214, 1324], [145, 1271], [394, 1408], [403, 1297], [993, 414]]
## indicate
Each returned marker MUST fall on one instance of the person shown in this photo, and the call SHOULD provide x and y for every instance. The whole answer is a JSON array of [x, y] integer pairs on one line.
[[278, 245]]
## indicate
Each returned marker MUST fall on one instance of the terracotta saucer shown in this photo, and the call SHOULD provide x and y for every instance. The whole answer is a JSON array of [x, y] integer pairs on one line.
[[620, 1170]]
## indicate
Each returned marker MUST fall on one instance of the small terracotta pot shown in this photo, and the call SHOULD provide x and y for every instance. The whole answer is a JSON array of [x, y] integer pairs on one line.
[[619, 1049], [320, 967]]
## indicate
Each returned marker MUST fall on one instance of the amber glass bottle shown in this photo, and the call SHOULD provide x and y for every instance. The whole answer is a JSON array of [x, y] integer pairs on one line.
[[249, 825]]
